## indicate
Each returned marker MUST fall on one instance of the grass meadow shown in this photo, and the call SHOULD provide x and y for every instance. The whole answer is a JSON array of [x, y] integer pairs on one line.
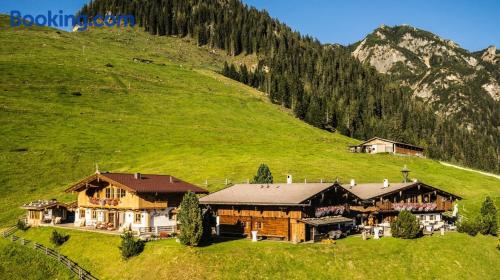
[[71, 100]]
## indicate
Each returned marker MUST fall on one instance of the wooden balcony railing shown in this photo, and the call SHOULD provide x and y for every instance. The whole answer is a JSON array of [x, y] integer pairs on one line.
[[415, 207]]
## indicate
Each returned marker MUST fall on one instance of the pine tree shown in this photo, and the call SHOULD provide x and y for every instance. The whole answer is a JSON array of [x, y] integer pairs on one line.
[[130, 246], [406, 226], [190, 220], [263, 176], [488, 219]]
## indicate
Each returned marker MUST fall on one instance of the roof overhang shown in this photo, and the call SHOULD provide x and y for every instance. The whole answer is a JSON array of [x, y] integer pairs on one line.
[[369, 199], [85, 183], [253, 203], [323, 221]]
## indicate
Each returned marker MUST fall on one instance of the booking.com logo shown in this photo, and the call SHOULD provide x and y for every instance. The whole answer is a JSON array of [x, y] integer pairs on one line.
[[61, 20]]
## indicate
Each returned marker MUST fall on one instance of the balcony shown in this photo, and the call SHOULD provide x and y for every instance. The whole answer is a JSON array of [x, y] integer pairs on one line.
[[415, 207], [103, 201]]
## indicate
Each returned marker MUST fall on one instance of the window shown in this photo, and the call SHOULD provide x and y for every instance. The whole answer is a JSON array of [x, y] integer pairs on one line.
[[422, 217], [431, 217], [108, 192], [82, 213], [259, 225], [94, 215], [34, 215], [122, 193], [137, 218]]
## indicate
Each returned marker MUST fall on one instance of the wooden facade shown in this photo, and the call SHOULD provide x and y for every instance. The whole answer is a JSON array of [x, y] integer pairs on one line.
[[138, 202], [269, 221], [284, 222], [45, 212], [364, 205], [384, 206]]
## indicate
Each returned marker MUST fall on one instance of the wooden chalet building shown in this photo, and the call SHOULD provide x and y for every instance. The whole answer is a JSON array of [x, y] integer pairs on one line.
[[303, 212], [48, 212], [380, 203], [379, 145], [288, 211], [138, 202]]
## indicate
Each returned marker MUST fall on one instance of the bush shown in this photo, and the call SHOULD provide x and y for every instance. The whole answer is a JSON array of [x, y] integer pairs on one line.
[[471, 227], [191, 220], [406, 226], [130, 246], [58, 238], [21, 224]]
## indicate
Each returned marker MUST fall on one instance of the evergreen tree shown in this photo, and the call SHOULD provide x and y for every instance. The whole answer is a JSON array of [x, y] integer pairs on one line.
[[190, 220], [130, 246], [406, 226], [263, 176], [488, 219]]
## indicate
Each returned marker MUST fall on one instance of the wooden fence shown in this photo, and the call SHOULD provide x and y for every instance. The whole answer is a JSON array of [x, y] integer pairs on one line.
[[71, 265]]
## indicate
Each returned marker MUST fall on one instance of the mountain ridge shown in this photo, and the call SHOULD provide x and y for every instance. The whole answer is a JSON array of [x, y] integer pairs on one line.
[[454, 81]]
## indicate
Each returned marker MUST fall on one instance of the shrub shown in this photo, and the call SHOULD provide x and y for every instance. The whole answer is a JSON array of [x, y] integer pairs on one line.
[[58, 238], [471, 227], [130, 246], [191, 220], [21, 224], [406, 226]]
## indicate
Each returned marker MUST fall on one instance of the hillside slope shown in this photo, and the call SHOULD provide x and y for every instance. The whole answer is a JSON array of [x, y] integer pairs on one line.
[[321, 84], [63, 110]]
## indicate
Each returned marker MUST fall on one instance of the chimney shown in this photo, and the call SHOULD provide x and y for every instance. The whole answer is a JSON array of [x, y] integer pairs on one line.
[[353, 183], [386, 183], [137, 175], [289, 179], [171, 180]]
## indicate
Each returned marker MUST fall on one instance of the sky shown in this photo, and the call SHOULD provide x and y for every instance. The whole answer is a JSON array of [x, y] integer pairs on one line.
[[473, 24]]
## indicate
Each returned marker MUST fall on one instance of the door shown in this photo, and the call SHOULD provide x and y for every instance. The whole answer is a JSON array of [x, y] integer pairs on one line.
[[121, 218], [111, 218]]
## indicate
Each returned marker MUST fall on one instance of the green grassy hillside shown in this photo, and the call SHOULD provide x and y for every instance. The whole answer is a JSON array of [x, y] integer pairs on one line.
[[62, 110], [453, 256], [20, 262]]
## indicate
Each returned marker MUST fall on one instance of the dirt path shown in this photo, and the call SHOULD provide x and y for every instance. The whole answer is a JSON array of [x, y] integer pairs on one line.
[[472, 170]]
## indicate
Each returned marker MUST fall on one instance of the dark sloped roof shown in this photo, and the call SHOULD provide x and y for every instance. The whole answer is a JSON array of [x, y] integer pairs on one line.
[[148, 183], [375, 190], [266, 194]]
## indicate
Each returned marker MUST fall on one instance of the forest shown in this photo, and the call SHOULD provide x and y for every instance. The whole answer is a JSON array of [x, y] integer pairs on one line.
[[321, 83]]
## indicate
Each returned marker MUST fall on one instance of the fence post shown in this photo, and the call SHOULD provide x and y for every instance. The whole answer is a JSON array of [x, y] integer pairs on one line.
[[46, 251]]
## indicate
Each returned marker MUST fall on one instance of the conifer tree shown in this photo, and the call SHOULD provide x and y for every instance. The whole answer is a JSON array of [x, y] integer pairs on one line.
[[406, 226], [263, 176], [488, 219], [190, 220]]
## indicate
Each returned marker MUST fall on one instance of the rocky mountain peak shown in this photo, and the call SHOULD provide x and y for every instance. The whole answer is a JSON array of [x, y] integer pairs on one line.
[[434, 69], [490, 55]]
